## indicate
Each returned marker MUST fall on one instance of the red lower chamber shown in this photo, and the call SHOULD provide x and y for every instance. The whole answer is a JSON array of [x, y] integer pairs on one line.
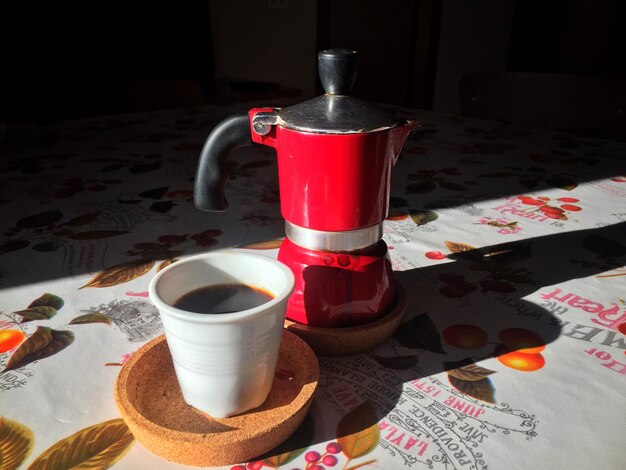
[[339, 289]]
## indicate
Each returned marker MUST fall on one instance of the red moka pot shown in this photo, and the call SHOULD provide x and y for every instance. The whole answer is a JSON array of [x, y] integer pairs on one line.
[[332, 182], [335, 158]]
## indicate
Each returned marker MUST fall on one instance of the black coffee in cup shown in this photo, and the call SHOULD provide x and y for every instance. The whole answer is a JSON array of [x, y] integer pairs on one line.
[[223, 298]]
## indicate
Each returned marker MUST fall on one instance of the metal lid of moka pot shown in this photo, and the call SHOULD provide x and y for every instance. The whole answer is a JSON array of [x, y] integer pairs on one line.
[[334, 112]]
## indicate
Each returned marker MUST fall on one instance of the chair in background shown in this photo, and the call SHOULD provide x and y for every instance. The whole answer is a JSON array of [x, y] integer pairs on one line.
[[583, 105]]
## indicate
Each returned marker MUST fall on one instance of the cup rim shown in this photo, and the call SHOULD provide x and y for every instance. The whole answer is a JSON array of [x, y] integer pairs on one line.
[[222, 318]]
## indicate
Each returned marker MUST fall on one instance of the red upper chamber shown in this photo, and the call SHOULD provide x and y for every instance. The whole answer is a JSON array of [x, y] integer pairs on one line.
[[334, 182]]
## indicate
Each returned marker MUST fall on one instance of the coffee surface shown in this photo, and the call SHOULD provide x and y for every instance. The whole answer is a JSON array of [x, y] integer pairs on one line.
[[223, 298]]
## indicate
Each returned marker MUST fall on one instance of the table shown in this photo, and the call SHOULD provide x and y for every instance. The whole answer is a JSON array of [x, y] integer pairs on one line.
[[499, 234]]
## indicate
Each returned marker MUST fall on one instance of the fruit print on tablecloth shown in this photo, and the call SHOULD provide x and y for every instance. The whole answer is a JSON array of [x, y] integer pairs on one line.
[[149, 253], [45, 230], [428, 180], [10, 339], [97, 446], [500, 273], [534, 176], [504, 225], [608, 255], [431, 421], [553, 209], [517, 348], [21, 349], [18, 348], [418, 216], [357, 435]]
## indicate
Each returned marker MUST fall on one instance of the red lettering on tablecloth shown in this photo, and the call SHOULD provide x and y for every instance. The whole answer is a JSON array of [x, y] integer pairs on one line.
[[86, 256], [603, 313], [610, 363], [402, 439], [618, 367], [462, 406], [425, 387], [512, 207]]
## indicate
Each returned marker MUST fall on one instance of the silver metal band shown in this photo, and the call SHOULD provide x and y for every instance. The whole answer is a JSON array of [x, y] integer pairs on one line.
[[348, 240]]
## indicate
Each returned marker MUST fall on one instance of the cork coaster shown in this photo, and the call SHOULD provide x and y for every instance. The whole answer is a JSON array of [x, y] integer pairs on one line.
[[352, 340], [150, 401]]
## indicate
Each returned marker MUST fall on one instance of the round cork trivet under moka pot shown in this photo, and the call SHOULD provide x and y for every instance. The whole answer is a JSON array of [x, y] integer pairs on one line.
[[150, 401]]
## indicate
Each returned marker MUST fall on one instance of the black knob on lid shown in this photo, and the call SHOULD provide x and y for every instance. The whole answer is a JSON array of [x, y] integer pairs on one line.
[[338, 69], [335, 112]]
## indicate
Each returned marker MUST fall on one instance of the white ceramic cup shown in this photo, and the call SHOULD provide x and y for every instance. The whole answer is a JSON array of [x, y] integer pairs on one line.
[[225, 362]]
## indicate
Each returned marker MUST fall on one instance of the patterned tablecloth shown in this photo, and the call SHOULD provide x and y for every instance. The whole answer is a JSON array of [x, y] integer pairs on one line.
[[509, 241]]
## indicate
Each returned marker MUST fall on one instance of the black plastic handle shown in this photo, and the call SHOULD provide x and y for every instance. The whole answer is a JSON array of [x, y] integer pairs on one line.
[[211, 175]]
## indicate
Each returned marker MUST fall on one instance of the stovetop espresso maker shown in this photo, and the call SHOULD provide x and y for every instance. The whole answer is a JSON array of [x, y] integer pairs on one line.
[[335, 157]]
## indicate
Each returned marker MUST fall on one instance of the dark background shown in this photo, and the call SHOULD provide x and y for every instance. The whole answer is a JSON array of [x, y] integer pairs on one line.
[[88, 57]]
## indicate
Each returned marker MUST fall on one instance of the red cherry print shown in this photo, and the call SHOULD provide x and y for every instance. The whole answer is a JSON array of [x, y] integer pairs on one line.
[[172, 239], [458, 290], [317, 467], [329, 460], [570, 207], [551, 210], [619, 179], [452, 292], [213, 233], [335, 448], [436, 255], [543, 198], [256, 465], [312, 456], [204, 241], [238, 467], [530, 201], [568, 199], [552, 215]]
